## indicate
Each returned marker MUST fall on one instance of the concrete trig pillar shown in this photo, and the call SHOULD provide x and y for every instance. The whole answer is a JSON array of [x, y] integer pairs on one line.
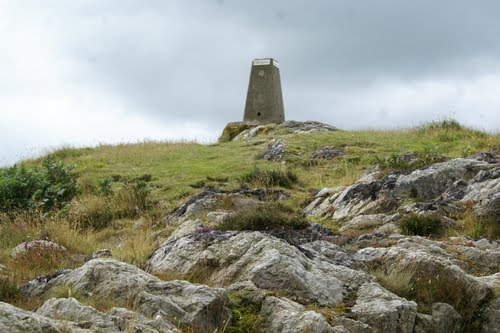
[[264, 99]]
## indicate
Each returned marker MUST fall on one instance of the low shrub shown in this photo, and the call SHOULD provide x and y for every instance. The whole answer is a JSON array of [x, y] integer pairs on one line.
[[22, 187], [269, 178], [421, 225], [105, 186], [268, 216]]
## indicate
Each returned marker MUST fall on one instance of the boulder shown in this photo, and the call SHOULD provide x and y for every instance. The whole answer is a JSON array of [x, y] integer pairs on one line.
[[115, 320], [433, 271], [445, 188], [384, 311], [284, 315], [15, 320], [224, 258], [431, 181], [198, 307]]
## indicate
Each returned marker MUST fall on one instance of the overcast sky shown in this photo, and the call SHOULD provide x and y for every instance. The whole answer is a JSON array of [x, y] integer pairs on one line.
[[83, 72]]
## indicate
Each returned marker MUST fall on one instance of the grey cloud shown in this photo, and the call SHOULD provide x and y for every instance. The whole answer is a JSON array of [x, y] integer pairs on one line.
[[177, 61]]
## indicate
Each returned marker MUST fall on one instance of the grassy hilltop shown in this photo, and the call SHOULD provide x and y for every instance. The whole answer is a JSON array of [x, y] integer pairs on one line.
[[122, 192]]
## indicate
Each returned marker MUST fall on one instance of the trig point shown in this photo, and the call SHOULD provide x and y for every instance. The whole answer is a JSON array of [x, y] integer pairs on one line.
[[264, 100]]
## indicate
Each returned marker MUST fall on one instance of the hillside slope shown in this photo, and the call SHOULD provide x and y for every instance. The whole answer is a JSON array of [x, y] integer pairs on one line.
[[297, 227]]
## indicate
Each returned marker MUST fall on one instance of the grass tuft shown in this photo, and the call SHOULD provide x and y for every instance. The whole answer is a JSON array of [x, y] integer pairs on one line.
[[269, 216], [421, 225], [270, 178]]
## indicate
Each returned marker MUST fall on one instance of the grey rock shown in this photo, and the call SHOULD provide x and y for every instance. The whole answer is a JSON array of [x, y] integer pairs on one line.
[[36, 245], [486, 157], [270, 263], [429, 182], [445, 187], [327, 251], [445, 318], [185, 228], [217, 217], [478, 261], [383, 310], [115, 320], [298, 127], [275, 152], [105, 253], [491, 317], [362, 222], [288, 127], [198, 307], [15, 320], [351, 325], [208, 200], [327, 153], [284, 315], [426, 260]]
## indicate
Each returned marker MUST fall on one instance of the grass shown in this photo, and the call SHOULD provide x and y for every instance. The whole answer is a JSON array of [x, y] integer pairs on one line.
[[469, 224], [424, 287], [119, 185], [245, 317], [421, 225], [270, 178], [269, 216]]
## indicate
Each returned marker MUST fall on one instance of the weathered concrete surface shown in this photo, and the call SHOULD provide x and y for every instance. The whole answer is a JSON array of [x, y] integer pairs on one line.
[[264, 102]]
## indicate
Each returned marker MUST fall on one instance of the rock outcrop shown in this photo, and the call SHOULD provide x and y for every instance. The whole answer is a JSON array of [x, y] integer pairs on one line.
[[198, 307]]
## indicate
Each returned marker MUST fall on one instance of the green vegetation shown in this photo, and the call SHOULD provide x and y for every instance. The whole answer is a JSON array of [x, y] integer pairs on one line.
[[270, 178], [424, 286], [8, 289], [114, 196], [23, 187], [401, 162], [421, 225], [245, 316], [269, 216]]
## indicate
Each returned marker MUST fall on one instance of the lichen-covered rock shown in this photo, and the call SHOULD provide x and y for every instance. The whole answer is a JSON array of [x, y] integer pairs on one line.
[[445, 188], [384, 311], [209, 200], [115, 320], [40, 246], [245, 130], [351, 325], [362, 222], [198, 307], [327, 153], [270, 263], [275, 152], [283, 315], [429, 182], [15, 320], [430, 267]]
